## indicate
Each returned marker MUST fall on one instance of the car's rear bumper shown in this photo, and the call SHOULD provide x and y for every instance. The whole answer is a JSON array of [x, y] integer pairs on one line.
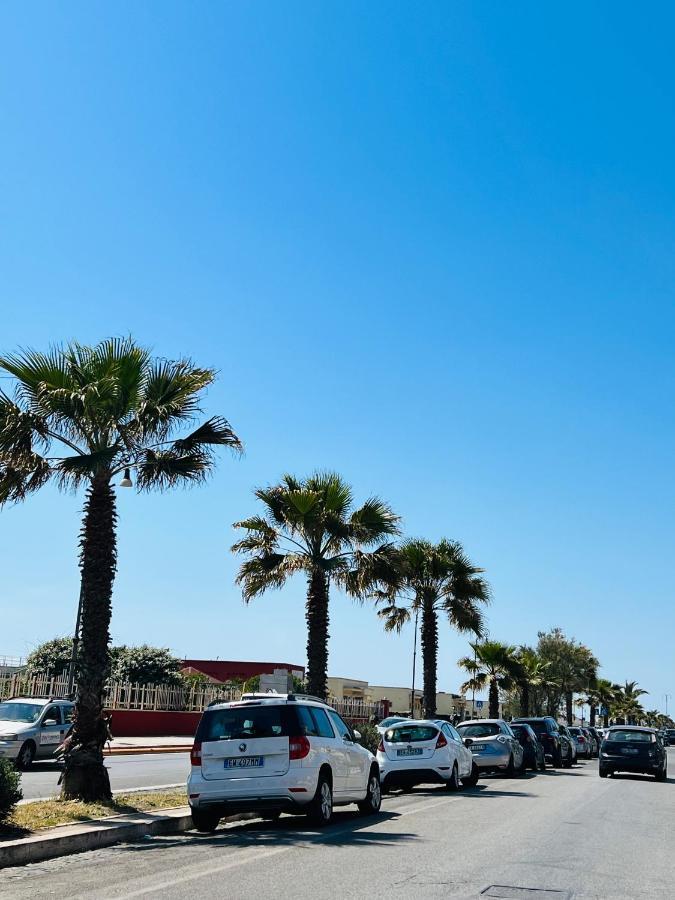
[[294, 789], [491, 759], [639, 766], [409, 776]]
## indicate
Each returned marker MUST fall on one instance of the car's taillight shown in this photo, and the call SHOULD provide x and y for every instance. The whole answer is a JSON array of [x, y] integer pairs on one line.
[[298, 747], [441, 742], [380, 746], [196, 754], [582, 739]]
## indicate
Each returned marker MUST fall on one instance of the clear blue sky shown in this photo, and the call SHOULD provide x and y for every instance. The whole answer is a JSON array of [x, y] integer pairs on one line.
[[429, 245]]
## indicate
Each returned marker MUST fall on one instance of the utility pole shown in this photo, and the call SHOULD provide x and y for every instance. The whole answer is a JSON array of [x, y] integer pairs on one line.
[[667, 697], [412, 692]]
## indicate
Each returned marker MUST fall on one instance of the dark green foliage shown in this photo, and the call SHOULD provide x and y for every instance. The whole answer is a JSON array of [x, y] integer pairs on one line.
[[370, 736], [10, 789], [51, 658], [144, 665]]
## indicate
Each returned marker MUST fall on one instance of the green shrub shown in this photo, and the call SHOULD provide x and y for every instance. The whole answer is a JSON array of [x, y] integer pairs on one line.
[[370, 736], [10, 790]]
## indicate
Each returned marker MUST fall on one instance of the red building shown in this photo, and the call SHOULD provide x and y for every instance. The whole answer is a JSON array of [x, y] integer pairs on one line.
[[222, 670]]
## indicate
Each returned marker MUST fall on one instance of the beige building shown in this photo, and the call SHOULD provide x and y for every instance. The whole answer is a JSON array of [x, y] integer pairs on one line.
[[399, 697]]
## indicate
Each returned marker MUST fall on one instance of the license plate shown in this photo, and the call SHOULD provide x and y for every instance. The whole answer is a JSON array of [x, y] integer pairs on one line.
[[243, 762], [630, 750], [476, 748], [411, 751]]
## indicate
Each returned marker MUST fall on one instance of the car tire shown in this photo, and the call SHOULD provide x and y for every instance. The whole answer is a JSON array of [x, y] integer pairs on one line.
[[25, 756], [320, 810], [205, 820], [510, 770], [372, 802], [603, 772], [452, 784], [542, 764], [557, 759], [662, 775], [472, 779]]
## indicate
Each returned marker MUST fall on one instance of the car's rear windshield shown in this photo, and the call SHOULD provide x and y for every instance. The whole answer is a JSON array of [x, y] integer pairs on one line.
[[409, 734], [392, 720], [576, 731], [641, 737], [539, 726], [20, 712], [479, 729], [249, 722]]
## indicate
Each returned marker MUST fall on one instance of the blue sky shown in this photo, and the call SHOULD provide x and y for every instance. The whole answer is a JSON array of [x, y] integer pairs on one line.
[[428, 245]]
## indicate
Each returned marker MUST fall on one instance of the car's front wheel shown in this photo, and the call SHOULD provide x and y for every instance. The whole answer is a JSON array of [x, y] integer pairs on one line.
[[373, 800], [662, 774], [452, 784], [603, 772], [25, 757], [205, 820], [472, 779], [320, 810]]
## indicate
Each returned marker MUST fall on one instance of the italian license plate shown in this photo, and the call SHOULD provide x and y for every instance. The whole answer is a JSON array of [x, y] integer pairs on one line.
[[629, 750], [244, 762], [476, 748], [410, 751]]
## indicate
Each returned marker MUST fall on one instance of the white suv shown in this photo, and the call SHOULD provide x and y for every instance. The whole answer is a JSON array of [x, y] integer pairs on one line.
[[273, 753]]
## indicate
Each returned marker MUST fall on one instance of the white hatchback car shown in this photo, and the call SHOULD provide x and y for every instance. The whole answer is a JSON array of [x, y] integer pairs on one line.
[[425, 751], [274, 753], [33, 727]]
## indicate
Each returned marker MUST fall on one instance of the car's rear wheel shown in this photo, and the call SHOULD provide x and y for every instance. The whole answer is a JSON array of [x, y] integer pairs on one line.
[[472, 779], [373, 800], [557, 759], [452, 784], [542, 764], [662, 774], [320, 810], [205, 820], [25, 757], [510, 770]]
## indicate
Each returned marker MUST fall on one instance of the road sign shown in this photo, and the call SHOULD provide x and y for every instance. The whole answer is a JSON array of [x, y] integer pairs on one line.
[[479, 704]]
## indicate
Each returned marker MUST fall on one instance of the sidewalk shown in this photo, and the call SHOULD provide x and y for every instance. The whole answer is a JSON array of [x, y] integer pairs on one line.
[[127, 745]]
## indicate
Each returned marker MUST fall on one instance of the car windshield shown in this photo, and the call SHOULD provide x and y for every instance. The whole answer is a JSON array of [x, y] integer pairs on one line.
[[245, 722], [409, 734], [479, 729], [539, 727], [392, 720], [20, 712], [641, 737]]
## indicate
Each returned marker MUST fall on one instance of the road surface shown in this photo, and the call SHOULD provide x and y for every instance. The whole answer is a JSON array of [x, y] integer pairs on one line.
[[568, 832], [134, 771]]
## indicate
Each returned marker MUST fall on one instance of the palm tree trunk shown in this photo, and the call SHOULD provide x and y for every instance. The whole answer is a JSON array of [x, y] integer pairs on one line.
[[591, 716], [316, 616], [493, 698], [85, 777], [569, 713], [429, 640], [525, 699]]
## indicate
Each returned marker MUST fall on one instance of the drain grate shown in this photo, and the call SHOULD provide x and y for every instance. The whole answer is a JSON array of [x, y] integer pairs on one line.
[[512, 892]]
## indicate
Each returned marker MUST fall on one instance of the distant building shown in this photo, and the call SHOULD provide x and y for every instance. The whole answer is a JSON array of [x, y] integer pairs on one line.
[[220, 671], [399, 697]]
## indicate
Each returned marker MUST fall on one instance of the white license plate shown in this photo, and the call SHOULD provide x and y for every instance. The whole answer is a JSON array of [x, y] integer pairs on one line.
[[476, 748], [244, 762], [410, 751], [630, 750]]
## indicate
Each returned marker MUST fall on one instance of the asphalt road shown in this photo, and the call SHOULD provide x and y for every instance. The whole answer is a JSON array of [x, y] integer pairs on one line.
[[566, 831], [134, 771]]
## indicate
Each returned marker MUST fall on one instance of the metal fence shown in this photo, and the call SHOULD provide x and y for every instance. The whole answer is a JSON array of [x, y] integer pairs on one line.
[[176, 698]]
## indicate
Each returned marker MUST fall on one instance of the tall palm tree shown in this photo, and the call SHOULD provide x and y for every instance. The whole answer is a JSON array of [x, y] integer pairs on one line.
[[604, 695], [533, 675], [310, 527], [495, 666], [627, 703], [433, 579], [82, 416]]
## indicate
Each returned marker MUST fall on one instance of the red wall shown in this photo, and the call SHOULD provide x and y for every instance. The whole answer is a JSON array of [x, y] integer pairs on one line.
[[153, 723], [224, 670]]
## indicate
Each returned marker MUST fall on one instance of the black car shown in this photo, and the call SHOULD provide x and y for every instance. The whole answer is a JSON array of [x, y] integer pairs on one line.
[[569, 752], [533, 752], [556, 748], [671, 736], [632, 748]]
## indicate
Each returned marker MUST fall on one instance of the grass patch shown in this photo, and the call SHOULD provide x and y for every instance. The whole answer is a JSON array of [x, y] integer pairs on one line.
[[47, 813]]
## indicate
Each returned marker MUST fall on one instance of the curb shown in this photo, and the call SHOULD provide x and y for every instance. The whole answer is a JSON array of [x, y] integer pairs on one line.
[[131, 751], [62, 840]]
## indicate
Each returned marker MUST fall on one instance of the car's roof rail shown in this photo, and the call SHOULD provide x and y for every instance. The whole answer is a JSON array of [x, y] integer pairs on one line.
[[306, 697]]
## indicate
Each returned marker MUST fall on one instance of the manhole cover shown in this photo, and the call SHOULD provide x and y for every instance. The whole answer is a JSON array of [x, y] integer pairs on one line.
[[511, 892]]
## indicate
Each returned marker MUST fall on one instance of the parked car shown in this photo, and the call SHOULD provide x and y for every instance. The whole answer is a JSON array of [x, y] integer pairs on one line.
[[583, 745], [33, 727], [597, 734], [425, 751], [533, 750], [273, 753], [671, 735], [569, 754], [630, 748], [494, 746], [595, 744], [548, 734], [389, 721]]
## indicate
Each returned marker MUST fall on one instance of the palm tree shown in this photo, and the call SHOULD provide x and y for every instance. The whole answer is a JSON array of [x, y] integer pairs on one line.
[[432, 579], [604, 695], [533, 676], [310, 527], [81, 416], [627, 704], [494, 665]]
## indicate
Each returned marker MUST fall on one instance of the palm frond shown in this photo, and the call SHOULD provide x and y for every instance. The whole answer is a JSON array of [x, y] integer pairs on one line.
[[165, 469], [395, 617], [373, 521], [215, 431]]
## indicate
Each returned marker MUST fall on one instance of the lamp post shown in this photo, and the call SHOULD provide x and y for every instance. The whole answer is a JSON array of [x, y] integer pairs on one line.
[[667, 698]]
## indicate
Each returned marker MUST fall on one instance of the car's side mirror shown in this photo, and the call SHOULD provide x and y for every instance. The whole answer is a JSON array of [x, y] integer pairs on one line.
[[357, 735], [50, 721], [467, 742]]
